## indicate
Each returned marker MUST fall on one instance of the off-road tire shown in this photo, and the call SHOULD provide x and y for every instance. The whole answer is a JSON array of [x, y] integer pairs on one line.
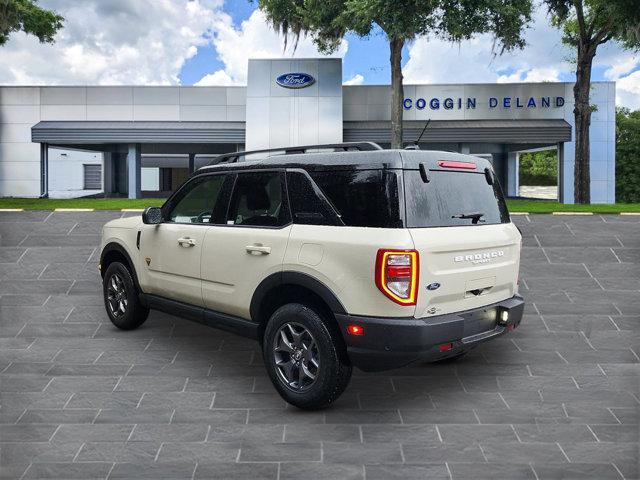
[[134, 313], [334, 371]]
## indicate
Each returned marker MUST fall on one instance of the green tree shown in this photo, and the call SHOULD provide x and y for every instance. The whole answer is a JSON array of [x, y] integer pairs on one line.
[[539, 168], [627, 156], [587, 24], [28, 17], [327, 22]]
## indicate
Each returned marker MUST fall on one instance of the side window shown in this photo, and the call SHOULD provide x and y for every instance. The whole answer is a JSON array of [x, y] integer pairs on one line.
[[197, 203], [363, 198], [308, 205], [257, 200]]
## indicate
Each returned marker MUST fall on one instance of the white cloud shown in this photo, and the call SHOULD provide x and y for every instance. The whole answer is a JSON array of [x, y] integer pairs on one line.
[[436, 61], [114, 42], [253, 39], [628, 91], [219, 77], [622, 65], [531, 75], [357, 79]]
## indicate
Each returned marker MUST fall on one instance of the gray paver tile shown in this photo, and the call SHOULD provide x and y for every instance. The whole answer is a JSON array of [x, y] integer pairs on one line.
[[92, 433], [153, 470], [436, 471], [255, 471], [493, 470], [576, 471], [321, 471], [84, 471], [435, 452], [280, 452]]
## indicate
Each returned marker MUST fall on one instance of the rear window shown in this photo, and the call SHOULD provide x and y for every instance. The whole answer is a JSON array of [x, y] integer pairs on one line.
[[362, 198], [450, 195]]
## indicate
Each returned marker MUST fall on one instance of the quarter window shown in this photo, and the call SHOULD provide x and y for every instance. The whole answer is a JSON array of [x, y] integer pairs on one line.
[[363, 198], [257, 200], [197, 203], [308, 205]]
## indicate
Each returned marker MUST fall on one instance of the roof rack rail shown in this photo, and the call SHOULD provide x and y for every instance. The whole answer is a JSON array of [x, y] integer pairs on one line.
[[233, 157]]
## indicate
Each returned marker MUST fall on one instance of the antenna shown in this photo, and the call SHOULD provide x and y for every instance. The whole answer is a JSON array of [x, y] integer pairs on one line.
[[416, 145], [422, 133]]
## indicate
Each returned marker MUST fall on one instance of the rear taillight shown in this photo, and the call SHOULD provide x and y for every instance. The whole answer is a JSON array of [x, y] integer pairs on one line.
[[397, 275]]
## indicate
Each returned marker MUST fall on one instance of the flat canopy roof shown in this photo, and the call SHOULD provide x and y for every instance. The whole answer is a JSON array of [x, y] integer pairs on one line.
[[439, 131], [80, 132], [477, 131]]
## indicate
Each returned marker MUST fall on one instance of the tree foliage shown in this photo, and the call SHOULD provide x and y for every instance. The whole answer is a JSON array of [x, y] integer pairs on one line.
[[27, 16], [587, 24], [594, 22], [327, 22], [539, 168], [627, 156]]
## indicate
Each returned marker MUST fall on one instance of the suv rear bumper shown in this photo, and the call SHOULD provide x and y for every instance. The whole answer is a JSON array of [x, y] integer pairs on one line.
[[395, 342]]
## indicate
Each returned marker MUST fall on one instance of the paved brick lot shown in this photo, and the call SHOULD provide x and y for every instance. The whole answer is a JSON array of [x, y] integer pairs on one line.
[[556, 399]]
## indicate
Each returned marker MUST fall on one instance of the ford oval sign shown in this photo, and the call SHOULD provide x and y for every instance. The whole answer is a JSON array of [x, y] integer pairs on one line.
[[295, 80]]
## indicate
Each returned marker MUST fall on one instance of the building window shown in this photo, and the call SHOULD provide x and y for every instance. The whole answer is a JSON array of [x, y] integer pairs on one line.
[[92, 177]]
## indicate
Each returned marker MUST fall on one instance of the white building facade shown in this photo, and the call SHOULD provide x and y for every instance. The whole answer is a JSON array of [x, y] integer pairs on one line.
[[147, 140]]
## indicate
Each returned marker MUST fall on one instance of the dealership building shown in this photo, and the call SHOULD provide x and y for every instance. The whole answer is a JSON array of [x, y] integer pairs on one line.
[[145, 140]]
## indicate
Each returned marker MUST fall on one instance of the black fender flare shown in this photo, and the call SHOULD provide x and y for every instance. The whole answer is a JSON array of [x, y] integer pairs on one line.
[[116, 247], [299, 279]]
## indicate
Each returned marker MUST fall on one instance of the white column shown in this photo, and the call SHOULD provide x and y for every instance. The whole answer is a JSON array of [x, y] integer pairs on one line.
[[134, 164], [513, 184]]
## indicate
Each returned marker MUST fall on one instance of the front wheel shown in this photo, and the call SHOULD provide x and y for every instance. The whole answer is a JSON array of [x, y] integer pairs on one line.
[[305, 357], [121, 298]]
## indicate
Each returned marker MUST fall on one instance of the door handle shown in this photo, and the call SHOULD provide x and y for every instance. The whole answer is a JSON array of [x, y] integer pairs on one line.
[[186, 242], [259, 249]]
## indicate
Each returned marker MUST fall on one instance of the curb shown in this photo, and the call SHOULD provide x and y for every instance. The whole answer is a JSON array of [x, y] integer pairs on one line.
[[11, 209], [571, 213], [73, 209], [518, 213], [132, 209], [630, 213]]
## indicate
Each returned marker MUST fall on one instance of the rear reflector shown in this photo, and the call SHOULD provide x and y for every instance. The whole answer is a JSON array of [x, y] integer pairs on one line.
[[461, 165], [355, 330], [397, 275], [445, 347]]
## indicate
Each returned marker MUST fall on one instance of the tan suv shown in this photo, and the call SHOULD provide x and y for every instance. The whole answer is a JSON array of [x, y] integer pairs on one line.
[[330, 256]]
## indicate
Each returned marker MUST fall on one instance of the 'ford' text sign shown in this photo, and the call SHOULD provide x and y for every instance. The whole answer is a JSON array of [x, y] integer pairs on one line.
[[295, 80]]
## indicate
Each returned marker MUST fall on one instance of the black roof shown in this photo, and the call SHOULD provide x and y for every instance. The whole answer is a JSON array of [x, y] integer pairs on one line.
[[349, 160]]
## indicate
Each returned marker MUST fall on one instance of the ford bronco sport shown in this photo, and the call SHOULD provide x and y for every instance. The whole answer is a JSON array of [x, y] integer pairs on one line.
[[330, 256]]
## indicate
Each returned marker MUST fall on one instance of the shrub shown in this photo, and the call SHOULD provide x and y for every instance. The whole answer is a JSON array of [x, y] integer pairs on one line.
[[627, 156]]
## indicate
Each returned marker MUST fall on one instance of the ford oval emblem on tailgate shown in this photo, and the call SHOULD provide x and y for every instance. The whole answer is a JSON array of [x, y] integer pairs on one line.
[[295, 80], [433, 286]]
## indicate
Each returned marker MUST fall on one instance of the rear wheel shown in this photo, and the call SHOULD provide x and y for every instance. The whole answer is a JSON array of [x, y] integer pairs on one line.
[[121, 298], [305, 357]]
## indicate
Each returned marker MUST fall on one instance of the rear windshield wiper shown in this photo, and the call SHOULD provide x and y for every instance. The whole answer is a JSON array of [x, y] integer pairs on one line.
[[475, 217]]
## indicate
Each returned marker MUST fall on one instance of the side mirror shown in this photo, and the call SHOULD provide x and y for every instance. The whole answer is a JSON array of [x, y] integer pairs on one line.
[[152, 215]]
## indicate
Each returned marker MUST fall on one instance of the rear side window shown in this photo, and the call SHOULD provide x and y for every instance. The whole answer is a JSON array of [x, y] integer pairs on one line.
[[308, 205], [363, 198], [450, 195], [257, 200]]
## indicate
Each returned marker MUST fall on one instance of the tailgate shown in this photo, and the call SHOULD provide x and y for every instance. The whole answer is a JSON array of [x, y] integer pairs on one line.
[[465, 267]]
